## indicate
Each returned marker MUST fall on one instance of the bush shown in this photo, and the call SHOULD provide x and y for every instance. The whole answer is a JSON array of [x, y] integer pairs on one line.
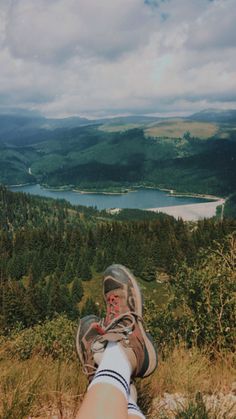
[[54, 338], [202, 309]]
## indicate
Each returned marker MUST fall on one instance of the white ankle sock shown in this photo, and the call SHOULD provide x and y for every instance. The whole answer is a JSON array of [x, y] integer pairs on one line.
[[133, 408], [114, 369]]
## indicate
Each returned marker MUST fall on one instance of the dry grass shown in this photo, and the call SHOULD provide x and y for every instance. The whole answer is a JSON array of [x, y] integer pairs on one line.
[[182, 376], [176, 129], [44, 388], [189, 371], [40, 388]]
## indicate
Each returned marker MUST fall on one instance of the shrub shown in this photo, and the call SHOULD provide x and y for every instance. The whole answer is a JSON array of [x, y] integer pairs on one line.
[[54, 338], [202, 309]]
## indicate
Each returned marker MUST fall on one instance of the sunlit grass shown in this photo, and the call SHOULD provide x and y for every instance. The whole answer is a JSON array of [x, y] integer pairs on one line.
[[40, 387], [176, 129], [43, 388]]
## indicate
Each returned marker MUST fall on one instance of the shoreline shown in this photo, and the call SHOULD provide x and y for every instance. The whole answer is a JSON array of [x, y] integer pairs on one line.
[[191, 212], [188, 212], [172, 192], [20, 185], [100, 192]]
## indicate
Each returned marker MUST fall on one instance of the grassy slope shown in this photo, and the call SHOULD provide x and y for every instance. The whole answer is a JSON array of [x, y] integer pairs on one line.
[[171, 128], [177, 128], [30, 389]]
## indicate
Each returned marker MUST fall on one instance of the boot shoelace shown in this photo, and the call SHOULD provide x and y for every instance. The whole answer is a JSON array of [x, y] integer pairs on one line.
[[116, 331], [119, 328], [113, 307]]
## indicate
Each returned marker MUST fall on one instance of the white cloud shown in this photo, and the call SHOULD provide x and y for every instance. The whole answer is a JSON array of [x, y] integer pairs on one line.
[[56, 30], [215, 28], [67, 57]]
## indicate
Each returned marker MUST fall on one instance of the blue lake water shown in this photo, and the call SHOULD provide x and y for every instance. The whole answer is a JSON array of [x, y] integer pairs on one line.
[[142, 198]]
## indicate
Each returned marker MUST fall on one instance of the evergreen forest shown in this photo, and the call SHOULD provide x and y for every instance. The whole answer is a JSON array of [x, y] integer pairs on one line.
[[52, 256], [50, 250]]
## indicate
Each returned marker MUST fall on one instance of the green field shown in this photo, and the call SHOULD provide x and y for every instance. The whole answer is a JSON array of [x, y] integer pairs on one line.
[[177, 128], [171, 128]]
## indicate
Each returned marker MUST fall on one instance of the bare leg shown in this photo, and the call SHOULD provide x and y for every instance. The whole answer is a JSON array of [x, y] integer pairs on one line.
[[104, 401]]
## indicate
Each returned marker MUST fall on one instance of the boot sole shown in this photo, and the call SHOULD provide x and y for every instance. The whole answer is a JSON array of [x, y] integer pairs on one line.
[[79, 352]]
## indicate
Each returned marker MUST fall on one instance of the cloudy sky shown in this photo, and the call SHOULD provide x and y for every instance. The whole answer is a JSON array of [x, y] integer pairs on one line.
[[102, 57]]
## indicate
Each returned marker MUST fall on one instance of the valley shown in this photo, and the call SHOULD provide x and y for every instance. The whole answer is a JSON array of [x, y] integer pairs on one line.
[[113, 155]]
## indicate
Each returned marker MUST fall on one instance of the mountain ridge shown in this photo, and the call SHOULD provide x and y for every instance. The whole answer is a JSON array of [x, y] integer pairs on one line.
[[126, 152]]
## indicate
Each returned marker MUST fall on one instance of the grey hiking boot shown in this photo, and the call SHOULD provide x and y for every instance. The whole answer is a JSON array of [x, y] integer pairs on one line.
[[124, 323], [89, 349]]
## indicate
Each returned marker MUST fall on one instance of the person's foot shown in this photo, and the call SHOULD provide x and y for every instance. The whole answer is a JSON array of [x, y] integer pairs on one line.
[[124, 323], [88, 347]]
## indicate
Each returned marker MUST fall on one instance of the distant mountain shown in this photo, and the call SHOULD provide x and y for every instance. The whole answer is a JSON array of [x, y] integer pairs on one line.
[[29, 128], [215, 115], [71, 122], [131, 119], [24, 130], [77, 152], [9, 123]]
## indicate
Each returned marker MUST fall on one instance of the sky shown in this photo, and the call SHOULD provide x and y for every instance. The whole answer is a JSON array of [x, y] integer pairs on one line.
[[117, 57]]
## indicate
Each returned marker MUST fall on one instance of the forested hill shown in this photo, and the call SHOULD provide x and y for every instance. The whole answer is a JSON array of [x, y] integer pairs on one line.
[[50, 250], [188, 155]]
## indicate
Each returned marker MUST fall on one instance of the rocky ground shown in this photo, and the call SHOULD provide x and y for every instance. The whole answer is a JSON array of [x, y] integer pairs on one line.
[[217, 406]]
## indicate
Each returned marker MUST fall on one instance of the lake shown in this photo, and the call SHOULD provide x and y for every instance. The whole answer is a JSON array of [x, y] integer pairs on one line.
[[142, 198]]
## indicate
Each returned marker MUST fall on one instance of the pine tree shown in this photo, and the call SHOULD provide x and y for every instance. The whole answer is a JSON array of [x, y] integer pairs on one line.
[[13, 304], [77, 291], [58, 298], [29, 307], [15, 268], [99, 261], [86, 272], [75, 297], [69, 273], [89, 307]]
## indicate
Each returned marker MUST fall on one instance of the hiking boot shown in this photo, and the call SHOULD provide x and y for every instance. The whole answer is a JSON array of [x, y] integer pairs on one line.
[[89, 349], [121, 293], [123, 322]]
